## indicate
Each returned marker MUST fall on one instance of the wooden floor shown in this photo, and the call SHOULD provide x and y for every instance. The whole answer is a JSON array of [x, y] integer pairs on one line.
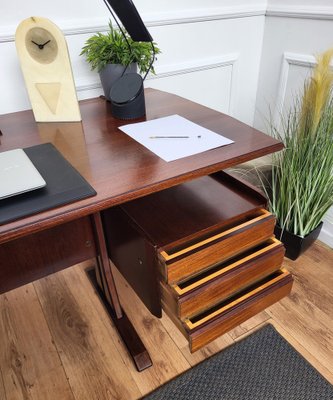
[[56, 341]]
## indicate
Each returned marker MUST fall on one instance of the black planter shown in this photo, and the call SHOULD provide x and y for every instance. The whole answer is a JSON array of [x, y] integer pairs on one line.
[[296, 245], [110, 73]]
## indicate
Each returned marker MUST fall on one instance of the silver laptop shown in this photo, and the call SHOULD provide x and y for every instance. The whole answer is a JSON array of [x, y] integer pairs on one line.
[[18, 174]]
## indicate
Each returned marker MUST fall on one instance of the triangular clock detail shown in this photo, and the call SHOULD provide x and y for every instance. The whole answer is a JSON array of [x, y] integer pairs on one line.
[[46, 67], [50, 92]]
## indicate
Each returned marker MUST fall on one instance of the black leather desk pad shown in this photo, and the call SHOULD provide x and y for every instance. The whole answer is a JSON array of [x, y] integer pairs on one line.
[[64, 185]]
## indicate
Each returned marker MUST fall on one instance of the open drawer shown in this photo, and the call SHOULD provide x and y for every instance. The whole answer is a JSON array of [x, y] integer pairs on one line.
[[214, 322], [223, 280], [192, 246], [177, 264]]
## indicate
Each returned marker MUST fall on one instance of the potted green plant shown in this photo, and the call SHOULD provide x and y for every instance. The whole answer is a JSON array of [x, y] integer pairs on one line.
[[300, 187], [111, 52]]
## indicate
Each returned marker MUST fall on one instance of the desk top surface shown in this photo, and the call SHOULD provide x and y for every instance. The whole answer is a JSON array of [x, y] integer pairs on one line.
[[119, 168]]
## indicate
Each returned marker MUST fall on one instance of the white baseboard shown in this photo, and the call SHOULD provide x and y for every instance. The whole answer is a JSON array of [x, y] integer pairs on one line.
[[326, 234]]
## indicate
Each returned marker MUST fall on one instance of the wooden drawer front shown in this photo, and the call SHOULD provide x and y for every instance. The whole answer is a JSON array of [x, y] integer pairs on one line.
[[224, 280], [207, 327], [183, 263]]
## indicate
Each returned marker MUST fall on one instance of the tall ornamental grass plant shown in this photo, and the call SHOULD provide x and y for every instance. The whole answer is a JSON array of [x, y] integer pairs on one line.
[[300, 190]]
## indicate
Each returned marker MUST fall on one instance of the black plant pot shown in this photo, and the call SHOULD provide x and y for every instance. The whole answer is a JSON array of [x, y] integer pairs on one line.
[[296, 245], [110, 73]]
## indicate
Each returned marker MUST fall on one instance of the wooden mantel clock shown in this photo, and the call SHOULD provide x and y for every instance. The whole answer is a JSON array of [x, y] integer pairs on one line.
[[46, 67]]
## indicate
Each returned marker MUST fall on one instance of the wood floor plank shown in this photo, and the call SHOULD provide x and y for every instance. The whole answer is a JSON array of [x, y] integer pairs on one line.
[[249, 325], [30, 365], [168, 360], [2, 388], [311, 297], [300, 316], [314, 267], [97, 363], [212, 348], [313, 280], [81, 287], [306, 329], [319, 261], [94, 367], [253, 330], [182, 343]]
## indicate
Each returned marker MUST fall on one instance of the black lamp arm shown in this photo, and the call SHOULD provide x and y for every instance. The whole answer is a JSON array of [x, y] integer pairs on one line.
[[127, 42]]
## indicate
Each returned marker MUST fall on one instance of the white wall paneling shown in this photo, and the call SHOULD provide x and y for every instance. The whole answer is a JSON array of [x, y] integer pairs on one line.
[[192, 81], [289, 82], [299, 40], [194, 42]]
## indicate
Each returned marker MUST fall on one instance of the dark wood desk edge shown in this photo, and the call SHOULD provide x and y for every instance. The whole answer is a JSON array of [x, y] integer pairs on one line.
[[89, 209]]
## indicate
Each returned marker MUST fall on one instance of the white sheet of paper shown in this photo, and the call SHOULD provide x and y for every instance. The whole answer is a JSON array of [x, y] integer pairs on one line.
[[161, 136]]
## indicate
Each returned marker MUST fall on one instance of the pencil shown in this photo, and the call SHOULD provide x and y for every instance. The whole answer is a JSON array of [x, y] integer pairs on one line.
[[171, 137]]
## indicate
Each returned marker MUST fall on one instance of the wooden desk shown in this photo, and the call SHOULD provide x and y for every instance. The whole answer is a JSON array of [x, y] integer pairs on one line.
[[120, 170]]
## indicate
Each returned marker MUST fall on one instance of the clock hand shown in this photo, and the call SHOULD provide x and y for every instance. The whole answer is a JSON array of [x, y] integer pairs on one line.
[[41, 46], [46, 42]]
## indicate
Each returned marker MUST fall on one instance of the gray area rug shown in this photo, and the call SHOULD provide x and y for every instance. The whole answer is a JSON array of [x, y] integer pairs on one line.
[[263, 366]]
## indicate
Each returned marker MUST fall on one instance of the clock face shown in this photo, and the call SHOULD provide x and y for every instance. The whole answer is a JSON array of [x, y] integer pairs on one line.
[[41, 45]]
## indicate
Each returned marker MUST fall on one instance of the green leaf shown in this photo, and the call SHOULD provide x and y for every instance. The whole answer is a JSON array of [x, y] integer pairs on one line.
[[112, 48]]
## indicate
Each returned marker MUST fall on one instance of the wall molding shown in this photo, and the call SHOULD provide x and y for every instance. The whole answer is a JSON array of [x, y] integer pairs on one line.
[[84, 90], [181, 69], [205, 15], [289, 59], [227, 60], [89, 26], [303, 12], [193, 66], [81, 27]]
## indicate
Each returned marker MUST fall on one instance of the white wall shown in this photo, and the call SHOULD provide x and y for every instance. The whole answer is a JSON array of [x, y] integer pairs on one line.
[[212, 51], [295, 31]]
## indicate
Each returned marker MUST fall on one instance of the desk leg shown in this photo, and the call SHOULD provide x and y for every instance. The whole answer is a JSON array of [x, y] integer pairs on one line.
[[102, 280]]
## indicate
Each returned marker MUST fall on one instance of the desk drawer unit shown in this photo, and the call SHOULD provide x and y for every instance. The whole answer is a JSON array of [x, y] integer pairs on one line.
[[204, 251], [221, 281]]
